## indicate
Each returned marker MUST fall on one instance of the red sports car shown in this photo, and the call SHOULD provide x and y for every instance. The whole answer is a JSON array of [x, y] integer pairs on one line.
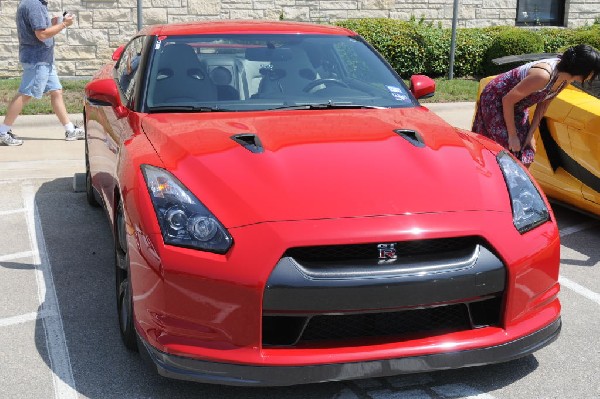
[[285, 212]]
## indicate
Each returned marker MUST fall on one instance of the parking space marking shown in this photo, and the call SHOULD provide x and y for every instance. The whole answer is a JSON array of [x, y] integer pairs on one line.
[[24, 318], [58, 352], [577, 228], [405, 394], [417, 386], [12, 212], [565, 282], [463, 391], [580, 289], [15, 256]]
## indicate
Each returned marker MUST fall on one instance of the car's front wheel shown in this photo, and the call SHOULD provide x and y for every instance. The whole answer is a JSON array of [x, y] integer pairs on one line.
[[123, 284]]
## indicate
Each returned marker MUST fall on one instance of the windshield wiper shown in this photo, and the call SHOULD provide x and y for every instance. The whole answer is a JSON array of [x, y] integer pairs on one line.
[[185, 108], [330, 105]]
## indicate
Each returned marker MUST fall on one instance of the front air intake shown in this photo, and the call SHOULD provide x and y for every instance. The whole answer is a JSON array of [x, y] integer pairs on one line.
[[249, 141], [411, 136]]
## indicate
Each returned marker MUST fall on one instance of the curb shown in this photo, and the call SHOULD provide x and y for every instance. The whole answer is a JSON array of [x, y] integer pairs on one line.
[[44, 120], [458, 106]]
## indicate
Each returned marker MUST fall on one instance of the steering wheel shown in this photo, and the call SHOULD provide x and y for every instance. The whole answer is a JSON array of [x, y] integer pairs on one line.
[[325, 82]]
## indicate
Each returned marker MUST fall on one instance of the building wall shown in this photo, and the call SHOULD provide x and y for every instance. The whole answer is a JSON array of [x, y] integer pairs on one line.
[[102, 25]]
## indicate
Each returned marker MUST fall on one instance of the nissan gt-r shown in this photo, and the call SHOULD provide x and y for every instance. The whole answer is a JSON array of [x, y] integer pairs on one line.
[[285, 212]]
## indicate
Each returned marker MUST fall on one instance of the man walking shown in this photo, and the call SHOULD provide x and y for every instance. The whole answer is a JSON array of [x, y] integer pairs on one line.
[[36, 54]]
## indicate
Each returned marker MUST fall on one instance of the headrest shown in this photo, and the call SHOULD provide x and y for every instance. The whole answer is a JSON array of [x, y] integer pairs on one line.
[[221, 75]]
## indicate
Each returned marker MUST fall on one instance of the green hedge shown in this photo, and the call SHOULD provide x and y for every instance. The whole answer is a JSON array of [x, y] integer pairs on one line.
[[586, 35], [510, 42], [399, 42], [416, 47]]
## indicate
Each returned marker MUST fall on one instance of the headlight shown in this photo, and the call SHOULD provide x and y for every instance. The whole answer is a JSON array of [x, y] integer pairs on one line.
[[184, 221], [528, 208]]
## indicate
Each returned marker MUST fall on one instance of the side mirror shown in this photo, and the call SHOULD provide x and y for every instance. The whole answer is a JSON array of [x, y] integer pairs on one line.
[[104, 92], [422, 86], [117, 53]]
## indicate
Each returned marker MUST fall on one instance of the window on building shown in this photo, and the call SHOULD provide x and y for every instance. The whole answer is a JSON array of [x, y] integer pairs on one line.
[[540, 12]]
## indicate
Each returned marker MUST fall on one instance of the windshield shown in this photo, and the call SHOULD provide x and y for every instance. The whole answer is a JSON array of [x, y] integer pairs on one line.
[[267, 71]]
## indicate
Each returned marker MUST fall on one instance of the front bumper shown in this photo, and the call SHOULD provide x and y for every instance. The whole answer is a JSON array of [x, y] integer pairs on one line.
[[189, 369]]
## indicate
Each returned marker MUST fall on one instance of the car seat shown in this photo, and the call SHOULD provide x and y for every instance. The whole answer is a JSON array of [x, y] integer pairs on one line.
[[222, 78], [288, 74], [181, 77]]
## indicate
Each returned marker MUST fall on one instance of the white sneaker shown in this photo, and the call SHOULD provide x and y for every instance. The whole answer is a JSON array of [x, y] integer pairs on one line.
[[9, 139], [77, 134]]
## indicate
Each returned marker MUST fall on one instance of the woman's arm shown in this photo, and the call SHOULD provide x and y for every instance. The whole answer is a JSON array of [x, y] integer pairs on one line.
[[535, 80], [540, 111]]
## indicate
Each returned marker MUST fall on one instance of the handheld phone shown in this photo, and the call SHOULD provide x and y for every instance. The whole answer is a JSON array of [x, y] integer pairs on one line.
[[65, 13]]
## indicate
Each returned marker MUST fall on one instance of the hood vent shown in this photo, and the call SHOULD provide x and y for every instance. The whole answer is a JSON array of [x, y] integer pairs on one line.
[[411, 136], [249, 141]]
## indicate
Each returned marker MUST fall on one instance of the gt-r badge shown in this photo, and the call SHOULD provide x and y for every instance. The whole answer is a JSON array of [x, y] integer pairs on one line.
[[387, 253]]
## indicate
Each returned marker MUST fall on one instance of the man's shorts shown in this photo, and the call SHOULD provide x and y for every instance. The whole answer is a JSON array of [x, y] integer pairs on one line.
[[38, 79]]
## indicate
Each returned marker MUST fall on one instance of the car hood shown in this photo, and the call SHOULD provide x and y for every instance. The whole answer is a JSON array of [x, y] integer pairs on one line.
[[299, 165]]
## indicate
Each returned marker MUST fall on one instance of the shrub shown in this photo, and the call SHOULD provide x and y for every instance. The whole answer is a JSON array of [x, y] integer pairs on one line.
[[589, 36], [436, 41], [471, 47], [555, 39], [418, 47], [512, 41], [398, 42]]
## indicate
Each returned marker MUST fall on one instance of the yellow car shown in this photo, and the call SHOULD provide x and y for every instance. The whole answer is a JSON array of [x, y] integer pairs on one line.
[[567, 159]]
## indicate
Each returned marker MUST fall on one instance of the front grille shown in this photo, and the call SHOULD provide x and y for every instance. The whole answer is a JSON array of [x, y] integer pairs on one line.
[[358, 252], [386, 326], [343, 295]]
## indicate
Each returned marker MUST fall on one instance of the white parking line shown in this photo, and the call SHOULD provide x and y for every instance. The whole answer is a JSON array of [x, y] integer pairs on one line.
[[581, 290], [404, 394], [15, 256], [565, 282], [460, 391], [60, 363], [12, 212], [24, 318], [577, 228]]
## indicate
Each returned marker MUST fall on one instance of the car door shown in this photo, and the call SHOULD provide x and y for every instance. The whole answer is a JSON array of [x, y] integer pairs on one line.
[[567, 164], [586, 141]]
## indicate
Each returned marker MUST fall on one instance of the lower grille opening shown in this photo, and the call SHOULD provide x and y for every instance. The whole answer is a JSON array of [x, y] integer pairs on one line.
[[282, 330], [312, 330], [485, 313]]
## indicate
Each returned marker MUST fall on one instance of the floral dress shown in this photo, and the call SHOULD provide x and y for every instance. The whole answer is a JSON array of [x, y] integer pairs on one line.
[[489, 117]]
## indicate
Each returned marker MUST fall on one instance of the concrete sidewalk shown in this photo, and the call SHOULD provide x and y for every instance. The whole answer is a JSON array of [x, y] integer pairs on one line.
[[46, 154], [456, 114]]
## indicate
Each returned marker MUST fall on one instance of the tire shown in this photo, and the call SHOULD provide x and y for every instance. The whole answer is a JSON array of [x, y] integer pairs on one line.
[[123, 289], [89, 189]]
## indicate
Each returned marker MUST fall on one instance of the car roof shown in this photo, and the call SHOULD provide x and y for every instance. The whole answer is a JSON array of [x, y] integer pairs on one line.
[[244, 27]]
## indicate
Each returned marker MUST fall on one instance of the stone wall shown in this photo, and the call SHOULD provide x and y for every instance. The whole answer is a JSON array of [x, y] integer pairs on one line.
[[102, 25]]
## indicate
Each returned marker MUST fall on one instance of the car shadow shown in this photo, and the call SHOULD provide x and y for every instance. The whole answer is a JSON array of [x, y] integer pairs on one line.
[[77, 243]]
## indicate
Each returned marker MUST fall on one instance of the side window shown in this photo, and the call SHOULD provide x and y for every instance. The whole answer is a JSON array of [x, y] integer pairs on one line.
[[592, 87], [128, 67]]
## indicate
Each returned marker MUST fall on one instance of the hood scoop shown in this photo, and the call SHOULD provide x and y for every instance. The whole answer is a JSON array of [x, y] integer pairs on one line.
[[412, 136], [249, 141]]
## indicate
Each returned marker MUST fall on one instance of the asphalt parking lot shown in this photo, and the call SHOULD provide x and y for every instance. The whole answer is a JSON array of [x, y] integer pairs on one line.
[[58, 324]]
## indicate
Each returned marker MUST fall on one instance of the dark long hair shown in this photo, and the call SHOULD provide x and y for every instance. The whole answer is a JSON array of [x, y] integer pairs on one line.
[[580, 60]]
